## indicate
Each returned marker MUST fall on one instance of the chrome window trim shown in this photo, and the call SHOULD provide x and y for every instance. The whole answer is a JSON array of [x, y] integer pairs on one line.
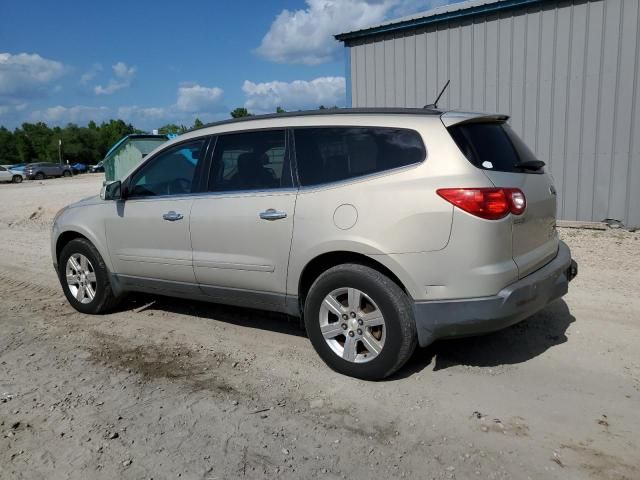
[[228, 193]]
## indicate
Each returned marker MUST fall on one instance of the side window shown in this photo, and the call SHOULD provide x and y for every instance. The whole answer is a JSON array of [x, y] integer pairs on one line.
[[250, 161], [338, 153], [2, 169], [171, 172]]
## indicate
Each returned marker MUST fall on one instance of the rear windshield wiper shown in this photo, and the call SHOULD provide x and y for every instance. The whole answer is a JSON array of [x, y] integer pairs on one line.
[[530, 165]]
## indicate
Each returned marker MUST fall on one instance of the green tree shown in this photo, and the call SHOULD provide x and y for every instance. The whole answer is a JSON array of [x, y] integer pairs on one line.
[[40, 136], [80, 144], [172, 128], [112, 131], [38, 142], [241, 112], [26, 152], [197, 123], [8, 149], [280, 110]]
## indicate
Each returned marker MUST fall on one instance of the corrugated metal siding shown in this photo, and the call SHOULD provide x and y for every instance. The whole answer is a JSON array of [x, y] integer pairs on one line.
[[566, 72]]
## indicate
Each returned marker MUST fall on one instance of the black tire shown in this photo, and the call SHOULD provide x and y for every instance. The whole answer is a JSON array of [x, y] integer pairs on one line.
[[394, 304], [17, 179], [66, 173], [39, 176], [104, 300]]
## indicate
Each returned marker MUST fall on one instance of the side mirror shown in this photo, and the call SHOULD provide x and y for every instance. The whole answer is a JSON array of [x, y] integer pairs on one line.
[[111, 191]]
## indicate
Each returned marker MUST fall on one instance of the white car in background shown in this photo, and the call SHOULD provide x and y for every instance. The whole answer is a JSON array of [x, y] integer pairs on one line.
[[8, 175]]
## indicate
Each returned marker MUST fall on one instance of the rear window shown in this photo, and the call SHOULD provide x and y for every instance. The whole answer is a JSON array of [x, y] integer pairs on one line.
[[492, 146], [332, 154]]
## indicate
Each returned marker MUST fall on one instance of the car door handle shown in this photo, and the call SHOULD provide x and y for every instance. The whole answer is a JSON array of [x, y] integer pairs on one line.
[[172, 216], [272, 214]]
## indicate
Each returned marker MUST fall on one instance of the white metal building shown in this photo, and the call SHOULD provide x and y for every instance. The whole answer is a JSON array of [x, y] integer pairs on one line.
[[565, 70]]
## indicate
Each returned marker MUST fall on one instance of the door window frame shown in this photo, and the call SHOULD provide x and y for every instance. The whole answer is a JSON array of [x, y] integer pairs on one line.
[[287, 162], [199, 177]]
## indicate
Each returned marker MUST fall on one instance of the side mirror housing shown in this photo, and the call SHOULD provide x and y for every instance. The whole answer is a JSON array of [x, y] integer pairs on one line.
[[112, 191]]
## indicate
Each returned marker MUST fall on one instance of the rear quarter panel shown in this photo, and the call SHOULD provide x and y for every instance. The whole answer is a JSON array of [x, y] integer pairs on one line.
[[395, 212]]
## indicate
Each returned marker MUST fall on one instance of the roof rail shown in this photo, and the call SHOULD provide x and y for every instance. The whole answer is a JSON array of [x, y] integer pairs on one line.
[[327, 111]]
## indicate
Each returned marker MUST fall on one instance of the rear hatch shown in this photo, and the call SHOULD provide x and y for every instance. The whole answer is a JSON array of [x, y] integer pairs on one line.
[[491, 145]]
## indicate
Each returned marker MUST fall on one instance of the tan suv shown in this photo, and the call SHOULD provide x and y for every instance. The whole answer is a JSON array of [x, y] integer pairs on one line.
[[382, 228]]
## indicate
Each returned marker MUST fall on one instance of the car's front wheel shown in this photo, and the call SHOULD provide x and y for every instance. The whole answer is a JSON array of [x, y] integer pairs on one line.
[[39, 176], [66, 173], [85, 278], [17, 179], [360, 322]]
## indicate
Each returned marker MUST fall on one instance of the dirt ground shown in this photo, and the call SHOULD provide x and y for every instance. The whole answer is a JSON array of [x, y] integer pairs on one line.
[[189, 390]]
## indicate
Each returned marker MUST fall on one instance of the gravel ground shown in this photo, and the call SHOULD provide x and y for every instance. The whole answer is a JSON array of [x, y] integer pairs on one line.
[[167, 388]]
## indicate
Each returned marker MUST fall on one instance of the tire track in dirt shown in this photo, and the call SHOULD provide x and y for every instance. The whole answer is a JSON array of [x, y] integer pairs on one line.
[[22, 289]]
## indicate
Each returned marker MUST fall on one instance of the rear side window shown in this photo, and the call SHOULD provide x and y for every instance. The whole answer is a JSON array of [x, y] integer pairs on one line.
[[338, 153], [492, 146], [250, 161]]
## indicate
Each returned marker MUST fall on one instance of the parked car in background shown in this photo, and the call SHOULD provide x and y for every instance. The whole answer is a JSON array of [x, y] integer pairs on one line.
[[41, 170], [18, 167], [10, 175], [79, 168], [98, 167]]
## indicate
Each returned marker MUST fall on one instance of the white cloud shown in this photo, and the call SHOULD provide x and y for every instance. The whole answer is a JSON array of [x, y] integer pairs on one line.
[[296, 95], [404, 8], [13, 110], [124, 75], [144, 115], [76, 114], [306, 36], [123, 72], [90, 74], [25, 75], [196, 98], [192, 101]]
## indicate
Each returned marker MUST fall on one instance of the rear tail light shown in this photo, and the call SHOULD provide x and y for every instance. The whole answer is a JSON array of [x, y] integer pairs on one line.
[[487, 203], [517, 200]]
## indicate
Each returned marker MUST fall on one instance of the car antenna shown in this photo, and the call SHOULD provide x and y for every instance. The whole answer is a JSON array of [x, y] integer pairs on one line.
[[434, 105]]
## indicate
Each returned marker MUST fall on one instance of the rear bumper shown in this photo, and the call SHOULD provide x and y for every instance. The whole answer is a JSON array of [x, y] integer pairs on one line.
[[455, 318]]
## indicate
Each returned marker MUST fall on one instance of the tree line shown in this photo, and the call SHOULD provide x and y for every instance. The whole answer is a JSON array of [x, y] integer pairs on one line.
[[37, 142]]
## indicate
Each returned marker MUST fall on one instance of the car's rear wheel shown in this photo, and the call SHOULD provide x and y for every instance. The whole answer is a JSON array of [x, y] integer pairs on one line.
[[17, 179], [85, 278], [360, 322], [66, 173]]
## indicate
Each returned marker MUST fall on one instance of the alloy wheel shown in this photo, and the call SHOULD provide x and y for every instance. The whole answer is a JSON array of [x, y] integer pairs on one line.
[[352, 325], [81, 278]]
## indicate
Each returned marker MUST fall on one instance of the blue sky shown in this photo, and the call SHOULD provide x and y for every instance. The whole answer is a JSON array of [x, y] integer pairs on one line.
[[151, 64]]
